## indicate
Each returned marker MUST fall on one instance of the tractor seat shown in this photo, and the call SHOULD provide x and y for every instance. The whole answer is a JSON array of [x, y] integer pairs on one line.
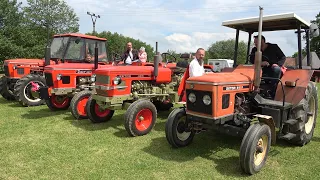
[[279, 104]]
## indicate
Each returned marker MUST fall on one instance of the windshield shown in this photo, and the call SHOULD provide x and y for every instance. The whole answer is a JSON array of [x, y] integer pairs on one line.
[[58, 47], [79, 49], [102, 53]]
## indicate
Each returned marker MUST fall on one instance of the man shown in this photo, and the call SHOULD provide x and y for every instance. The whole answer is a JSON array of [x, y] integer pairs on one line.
[[130, 54], [196, 65], [271, 66]]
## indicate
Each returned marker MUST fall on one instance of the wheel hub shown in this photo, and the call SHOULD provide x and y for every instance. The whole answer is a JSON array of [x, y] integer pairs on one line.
[[141, 118]]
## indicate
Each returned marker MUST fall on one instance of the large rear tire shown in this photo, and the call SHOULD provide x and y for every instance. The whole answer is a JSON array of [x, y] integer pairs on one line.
[[95, 113], [177, 133], [78, 104], [61, 102], [140, 117], [4, 89], [23, 90], [305, 116], [254, 148]]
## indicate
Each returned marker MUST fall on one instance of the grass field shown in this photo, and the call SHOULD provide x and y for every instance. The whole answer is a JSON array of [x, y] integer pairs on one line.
[[39, 144]]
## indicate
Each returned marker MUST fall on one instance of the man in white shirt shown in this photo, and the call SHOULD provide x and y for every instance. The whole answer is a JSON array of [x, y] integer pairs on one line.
[[130, 54], [196, 65]]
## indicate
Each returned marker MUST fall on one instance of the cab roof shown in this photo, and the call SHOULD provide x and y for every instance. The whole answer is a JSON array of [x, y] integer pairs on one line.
[[275, 22], [80, 35]]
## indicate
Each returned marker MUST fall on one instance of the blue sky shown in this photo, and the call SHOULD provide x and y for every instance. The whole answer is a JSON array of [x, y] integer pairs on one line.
[[185, 25]]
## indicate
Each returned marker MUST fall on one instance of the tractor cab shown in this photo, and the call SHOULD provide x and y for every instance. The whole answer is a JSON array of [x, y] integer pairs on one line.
[[77, 48], [277, 22]]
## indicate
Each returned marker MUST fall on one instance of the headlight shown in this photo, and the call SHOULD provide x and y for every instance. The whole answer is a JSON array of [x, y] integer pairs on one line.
[[192, 97], [93, 78], [59, 77], [117, 80], [206, 100]]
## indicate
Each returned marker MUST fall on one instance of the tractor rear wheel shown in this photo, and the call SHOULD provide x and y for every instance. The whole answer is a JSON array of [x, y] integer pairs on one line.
[[58, 102], [95, 113], [254, 148], [177, 133], [140, 117], [4, 89], [78, 104], [24, 90], [305, 116]]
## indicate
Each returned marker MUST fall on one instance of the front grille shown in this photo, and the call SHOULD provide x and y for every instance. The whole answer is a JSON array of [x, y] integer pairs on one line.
[[20, 71], [65, 79], [6, 70], [49, 80], [199, 106], [102, 79]]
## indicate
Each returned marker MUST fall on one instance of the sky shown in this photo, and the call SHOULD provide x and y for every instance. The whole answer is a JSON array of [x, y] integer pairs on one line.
[[186, 25]]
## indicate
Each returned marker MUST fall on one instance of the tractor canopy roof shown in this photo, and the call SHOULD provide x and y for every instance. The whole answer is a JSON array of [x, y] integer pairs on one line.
[[81, 36], [275, 22]]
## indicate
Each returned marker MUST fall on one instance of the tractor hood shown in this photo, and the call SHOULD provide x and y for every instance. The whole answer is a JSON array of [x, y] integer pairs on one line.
[[24, 61], [117, 70]]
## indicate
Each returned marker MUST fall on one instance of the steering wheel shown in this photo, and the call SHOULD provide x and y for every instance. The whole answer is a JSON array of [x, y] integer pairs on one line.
[[263, 56], [165, 57]]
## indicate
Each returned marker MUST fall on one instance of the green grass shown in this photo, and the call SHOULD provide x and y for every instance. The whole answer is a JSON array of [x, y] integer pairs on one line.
[[36, 143]]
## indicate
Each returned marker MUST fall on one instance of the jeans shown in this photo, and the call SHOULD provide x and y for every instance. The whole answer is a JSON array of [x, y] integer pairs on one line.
[[272, 72]]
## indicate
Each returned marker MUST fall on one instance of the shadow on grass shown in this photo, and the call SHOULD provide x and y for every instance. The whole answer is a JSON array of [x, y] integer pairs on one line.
[[4, 101], [115, 122], [315, 139], [41, 113]]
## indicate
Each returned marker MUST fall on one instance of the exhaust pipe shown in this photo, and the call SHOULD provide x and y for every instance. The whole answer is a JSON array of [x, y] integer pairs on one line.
[[96, 56], [258, 56], [156, 62], [47, 56]]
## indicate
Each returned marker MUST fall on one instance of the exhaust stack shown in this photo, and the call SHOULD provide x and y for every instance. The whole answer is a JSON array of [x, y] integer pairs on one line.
[[156, 62], [258, 56], [47, 56], [96, 56]]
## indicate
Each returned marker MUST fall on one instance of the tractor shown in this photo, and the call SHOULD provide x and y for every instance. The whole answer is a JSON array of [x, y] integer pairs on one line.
[[141, 90], [238, 103], [24, 76], [64, 81]]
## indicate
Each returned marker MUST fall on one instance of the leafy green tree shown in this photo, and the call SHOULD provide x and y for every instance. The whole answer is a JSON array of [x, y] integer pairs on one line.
[[315, 41], [116, 44], [225, 50]]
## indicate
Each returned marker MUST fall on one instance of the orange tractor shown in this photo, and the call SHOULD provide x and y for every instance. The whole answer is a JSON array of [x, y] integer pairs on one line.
[[141, 90], [237, 102], [24, 76]]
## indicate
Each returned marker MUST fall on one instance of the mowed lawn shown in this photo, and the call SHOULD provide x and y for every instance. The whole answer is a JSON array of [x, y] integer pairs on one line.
[[36, 143]]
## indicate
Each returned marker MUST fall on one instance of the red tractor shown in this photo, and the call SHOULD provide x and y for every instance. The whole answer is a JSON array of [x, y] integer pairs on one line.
[[67, 80], [24, 76], [238, 102], [141, 90]]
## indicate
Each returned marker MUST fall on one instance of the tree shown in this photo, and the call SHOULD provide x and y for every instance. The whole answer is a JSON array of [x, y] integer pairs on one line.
[[116, 44], [225, 50], [315, 41]]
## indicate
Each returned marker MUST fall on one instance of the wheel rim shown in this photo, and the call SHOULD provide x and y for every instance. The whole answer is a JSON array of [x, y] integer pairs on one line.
[[181, 133], [261, 150], [308, 126], [100, 112], [60, 101], [81, 106], [29, 94], [143, 119]]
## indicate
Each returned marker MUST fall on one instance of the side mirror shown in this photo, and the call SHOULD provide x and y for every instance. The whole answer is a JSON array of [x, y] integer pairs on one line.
[[314, 30]]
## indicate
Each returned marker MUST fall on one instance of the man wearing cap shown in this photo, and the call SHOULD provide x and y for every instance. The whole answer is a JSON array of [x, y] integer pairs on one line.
[[271, 66]]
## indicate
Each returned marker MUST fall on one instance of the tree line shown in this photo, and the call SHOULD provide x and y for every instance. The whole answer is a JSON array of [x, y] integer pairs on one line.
[[24, 31]]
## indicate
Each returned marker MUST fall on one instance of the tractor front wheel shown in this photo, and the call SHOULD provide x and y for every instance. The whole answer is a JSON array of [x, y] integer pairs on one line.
[[78, 104], [254, 148], [95, 113], [25, 90], [58, 102], [177, 132], [4, 89], [140, 117]]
